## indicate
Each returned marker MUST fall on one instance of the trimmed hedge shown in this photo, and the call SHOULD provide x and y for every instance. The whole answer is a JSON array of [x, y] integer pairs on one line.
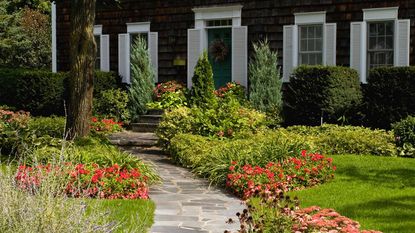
[[389, 95], [313, 91], [42, 92]]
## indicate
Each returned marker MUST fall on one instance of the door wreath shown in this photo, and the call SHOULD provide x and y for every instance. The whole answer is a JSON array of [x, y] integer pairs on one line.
[[218, 50]]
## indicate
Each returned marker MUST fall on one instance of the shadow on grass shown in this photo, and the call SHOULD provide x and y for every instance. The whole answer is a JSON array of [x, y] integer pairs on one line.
[[392, 178], [390, 215]]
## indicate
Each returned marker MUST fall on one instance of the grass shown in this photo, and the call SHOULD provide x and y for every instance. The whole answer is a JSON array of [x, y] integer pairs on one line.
[[135, 215], [378, 192]]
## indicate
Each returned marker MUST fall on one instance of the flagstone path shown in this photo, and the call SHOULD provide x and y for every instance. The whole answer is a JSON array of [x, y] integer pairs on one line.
[[185, 203]]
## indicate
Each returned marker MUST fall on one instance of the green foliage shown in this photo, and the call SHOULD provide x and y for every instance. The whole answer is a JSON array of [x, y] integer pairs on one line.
[[389, 95], [211, 158], [316, 91], [169, 100], [224, 120], [334, 139], [24, 38], [405, 136], [233, 90], [41, 5], [50, 126], [265, 90], [203, 85], [142, 79], [112, 104], [42, 92]]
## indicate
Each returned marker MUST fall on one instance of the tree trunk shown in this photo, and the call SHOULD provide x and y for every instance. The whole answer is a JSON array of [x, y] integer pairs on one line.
[[82, 60]]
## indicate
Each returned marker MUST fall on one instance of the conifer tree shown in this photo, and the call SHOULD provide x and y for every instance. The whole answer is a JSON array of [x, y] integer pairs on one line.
[[142, 78], [265, 89], [203, 85]]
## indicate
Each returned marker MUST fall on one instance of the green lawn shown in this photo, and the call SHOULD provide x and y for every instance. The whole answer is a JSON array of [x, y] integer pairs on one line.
[[378, 192], [135, 215]]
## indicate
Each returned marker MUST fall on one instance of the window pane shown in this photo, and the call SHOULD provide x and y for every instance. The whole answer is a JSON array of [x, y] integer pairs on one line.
[[303, 45], [311, 44], [380, 44], [98, 58], [319, 44], [389, 42]]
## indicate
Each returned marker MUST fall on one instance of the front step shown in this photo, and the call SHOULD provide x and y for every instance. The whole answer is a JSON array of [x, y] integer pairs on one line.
[[127, 138], [144, 127], [153, 119]]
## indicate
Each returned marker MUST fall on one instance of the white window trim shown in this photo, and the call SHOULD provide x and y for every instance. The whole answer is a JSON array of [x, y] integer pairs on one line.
[[104, 64], [98, 30], [204, 14]]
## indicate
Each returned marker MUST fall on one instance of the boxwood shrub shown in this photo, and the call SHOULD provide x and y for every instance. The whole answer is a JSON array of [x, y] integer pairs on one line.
[[316, 91], [42, 92], [389, 95]]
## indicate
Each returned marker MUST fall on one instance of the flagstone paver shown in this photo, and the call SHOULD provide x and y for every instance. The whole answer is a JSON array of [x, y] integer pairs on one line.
[[185, 203]]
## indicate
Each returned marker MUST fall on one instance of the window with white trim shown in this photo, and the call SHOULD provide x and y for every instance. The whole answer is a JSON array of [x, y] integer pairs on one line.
[[310, 41], [102, 41], [125, 42], [381, 39]]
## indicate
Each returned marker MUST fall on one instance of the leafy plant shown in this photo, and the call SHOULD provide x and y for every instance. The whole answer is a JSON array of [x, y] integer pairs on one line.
[[404, 131], [232, 90], [203, 85], [142, 79], [112, 103], [317, 93], [265, 90]]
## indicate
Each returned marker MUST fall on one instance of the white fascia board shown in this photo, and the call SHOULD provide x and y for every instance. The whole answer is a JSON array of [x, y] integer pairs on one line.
[[222, 12], [387, 13], [310, 17], [97, 30], [138, 27]]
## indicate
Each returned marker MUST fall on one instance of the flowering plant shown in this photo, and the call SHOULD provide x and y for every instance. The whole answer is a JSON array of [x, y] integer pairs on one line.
[[168, 95], [105, 125], [231, 89], [87, 180], [163, 88], [291, 174]]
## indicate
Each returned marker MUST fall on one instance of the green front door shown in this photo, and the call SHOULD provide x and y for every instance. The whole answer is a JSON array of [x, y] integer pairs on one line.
[[220, 55]]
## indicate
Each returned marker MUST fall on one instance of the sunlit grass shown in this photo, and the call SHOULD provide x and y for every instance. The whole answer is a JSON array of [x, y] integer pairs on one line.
[[378, 192]]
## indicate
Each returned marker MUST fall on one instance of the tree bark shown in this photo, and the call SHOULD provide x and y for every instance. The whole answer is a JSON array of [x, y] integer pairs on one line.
[[81, 75]]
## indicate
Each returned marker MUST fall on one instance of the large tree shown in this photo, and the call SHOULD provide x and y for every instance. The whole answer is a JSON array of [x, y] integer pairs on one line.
[[82, 59]]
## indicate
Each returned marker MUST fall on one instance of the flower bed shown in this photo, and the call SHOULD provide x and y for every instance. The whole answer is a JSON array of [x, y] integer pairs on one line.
[[292, 173], [105, 125], [86, 180]]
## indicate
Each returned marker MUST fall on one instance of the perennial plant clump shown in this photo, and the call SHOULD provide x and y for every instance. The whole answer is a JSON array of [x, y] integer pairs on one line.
[[90, 181], [292, 173], [105, 125]]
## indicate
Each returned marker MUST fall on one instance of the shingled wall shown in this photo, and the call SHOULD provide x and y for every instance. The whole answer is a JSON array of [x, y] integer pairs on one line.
[[264, 18]]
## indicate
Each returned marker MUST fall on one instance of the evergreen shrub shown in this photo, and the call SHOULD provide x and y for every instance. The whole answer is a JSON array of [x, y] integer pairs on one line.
[[203, 90]]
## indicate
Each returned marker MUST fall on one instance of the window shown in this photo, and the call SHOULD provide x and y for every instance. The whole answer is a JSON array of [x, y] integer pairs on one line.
[[310, 41], [311, 44], [380, 44], [219, 23], [381, 39]]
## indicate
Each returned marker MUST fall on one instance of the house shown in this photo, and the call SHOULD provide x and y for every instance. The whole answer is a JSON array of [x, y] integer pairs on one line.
[[359, 34]]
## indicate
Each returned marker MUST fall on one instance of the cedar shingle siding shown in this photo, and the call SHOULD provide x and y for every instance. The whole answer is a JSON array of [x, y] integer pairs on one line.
[[264, 18]]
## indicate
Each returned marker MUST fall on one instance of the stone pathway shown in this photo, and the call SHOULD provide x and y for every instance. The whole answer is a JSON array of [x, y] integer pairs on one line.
[[185, 203]]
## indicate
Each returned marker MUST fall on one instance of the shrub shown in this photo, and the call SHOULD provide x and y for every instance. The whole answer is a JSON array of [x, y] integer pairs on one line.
[[404, 131], [203, 85], [225, 120], [333, 139], [112, 103], [211, 158], [265, 89], [168, 95], [389, 95], [321, 91], [50, 126], [42, 92], [142, 79], [232, 90]]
